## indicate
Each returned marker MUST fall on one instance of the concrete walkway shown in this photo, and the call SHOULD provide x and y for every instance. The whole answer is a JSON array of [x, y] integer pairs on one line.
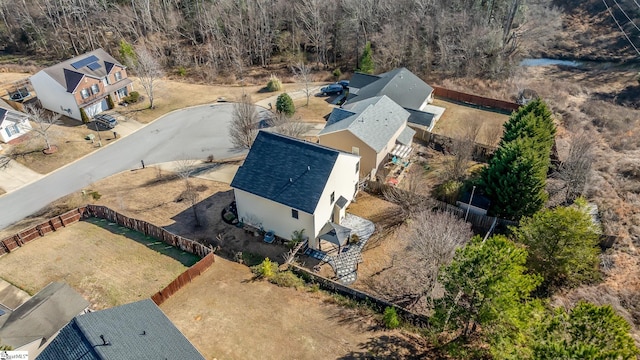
[[298, 94], [11, 296]]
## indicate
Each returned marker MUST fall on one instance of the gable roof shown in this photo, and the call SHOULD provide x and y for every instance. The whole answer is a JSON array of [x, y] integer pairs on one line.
[[97, 64], [400, 84], [374, 121], [288, 171], [43, 315], [11, 115], [139, 330]]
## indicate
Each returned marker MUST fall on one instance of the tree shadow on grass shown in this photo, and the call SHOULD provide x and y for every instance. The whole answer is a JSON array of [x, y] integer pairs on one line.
[[391, 346], [185, 258]]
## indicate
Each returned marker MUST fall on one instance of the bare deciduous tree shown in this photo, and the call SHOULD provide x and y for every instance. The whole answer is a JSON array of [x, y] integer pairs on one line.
[[149, 71], [244, 122], [492, 134], [462, 147], [302, 74], [43, 120], [285, 125], [185, 169], [575, 170], [407, 194], [429, 242]]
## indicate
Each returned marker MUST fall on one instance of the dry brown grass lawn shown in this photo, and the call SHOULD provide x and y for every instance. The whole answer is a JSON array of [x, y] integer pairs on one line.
[[317, 110], [228, 315], [105, 266], [456, 116], [173, 95]]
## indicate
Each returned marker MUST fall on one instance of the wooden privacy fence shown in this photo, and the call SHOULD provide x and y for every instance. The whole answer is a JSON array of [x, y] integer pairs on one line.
[[379, 304], [475, 99], [13, 242], [183, 279], [480, 222], [148, 229]]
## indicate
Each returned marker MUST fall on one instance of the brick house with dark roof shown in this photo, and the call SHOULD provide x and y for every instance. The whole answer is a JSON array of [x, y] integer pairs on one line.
[[288, 185], [83, 82]]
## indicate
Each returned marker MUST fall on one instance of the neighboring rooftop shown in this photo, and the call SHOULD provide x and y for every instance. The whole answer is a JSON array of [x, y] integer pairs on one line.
[[139, 330], [42, 316], [374, 121], [288, 171], [10, 114], [97, 64], [400, 84]]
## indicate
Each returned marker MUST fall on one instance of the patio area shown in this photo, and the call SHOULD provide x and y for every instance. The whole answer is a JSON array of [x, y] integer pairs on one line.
[[344, 260]]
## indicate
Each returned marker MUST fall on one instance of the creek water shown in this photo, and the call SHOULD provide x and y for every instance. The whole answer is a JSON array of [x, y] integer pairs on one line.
[[545, 62]]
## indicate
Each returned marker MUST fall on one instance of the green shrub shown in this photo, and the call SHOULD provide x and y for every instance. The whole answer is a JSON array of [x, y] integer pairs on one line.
[[84, 116], [110, 102], [285, 105], [354, 239], [390, 318], [448, 191], [274, 84], [267, 269], [337, 73], [133, 98], [287, 279], [181, 71]]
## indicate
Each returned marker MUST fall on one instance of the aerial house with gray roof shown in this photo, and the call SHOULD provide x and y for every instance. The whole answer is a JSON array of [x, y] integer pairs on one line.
[[372, 128], [138, 330], [83, 82], [288, 185]]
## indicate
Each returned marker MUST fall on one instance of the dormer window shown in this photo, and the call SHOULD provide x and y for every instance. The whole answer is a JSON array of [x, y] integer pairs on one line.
[[118, 75], [95, 88], [84, 93]]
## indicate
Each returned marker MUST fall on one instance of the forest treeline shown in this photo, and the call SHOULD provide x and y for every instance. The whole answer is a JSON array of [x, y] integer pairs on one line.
[[219, 37]]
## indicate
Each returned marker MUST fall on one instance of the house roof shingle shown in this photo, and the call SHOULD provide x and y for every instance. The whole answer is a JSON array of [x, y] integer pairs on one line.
[[288, 171], [69, 77], [138, 330], [42, 315], [421, 118], [374, 121], [400, 84]]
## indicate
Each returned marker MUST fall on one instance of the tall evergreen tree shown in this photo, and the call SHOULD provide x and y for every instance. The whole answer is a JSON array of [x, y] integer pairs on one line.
[[562, 245], [483, 285], [366, 61], [515, 180], [284, 104], [586, 332]]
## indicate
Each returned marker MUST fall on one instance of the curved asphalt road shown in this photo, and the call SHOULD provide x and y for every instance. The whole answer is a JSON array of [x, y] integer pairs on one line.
[[192, 133]]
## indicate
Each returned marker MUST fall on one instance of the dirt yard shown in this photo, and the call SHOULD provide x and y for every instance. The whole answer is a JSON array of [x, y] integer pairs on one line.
[[107, 264], [228, 315], [457, 116]]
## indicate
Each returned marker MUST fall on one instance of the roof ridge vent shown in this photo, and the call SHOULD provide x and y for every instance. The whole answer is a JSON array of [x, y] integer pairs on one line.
[[308, 168], [290, 180]]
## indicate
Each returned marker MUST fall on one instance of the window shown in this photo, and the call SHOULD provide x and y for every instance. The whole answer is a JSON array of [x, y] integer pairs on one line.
[[294, 213], [358, 166], [12, 129], [355, 150], [84, 93], [105, 81], [95, 88], [118, 75], [333, 197]]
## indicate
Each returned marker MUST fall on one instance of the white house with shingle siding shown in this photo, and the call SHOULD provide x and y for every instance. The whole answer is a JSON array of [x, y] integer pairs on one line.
[[288, 185]]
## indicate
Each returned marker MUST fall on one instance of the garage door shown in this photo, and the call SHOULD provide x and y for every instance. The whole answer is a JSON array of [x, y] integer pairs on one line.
[[97, 108]]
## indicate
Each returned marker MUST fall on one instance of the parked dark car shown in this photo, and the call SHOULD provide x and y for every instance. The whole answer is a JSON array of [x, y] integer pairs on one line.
[[332, 89], [344, 84], [105, 120]]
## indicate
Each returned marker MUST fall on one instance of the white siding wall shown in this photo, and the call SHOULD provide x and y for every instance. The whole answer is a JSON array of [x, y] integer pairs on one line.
[[53, 96], [273, 216], [23, 128], [343, 180]]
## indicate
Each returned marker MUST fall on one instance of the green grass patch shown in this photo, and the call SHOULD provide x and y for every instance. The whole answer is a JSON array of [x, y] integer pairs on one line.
[[185, 258]]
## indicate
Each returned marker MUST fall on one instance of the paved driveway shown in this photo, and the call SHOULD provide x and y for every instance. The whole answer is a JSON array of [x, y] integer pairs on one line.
[[192, 133]]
